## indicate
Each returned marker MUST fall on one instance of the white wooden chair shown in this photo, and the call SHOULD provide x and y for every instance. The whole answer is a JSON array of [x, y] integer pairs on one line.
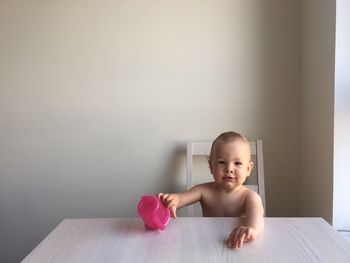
[[255, 181]]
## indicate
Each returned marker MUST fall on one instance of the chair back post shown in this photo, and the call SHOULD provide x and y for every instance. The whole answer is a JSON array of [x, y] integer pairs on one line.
[[189, 170], [260, 168]]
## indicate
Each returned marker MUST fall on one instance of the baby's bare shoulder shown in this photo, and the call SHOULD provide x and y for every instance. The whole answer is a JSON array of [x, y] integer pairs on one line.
[[251, 196], [204, 188]]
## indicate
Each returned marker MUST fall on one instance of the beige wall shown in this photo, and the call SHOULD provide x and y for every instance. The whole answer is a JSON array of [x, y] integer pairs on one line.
[[317, 108], [97, 99]]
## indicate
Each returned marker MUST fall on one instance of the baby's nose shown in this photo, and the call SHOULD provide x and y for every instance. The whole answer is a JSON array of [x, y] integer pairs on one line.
[[229, 169]]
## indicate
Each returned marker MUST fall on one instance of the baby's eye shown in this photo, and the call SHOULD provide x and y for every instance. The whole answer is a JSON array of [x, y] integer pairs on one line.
[[221, 162], [238, 163]]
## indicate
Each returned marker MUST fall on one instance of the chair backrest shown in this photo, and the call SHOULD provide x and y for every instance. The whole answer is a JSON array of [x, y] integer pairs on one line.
[[256, 179]]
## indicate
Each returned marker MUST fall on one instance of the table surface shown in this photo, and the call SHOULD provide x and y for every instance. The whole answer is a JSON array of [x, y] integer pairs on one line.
[[186, 239]]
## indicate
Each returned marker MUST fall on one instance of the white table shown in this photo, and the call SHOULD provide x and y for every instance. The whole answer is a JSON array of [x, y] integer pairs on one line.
[[190, 240]]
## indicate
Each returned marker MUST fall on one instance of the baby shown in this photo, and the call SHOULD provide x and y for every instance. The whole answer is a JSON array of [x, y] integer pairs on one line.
[[230, 164]]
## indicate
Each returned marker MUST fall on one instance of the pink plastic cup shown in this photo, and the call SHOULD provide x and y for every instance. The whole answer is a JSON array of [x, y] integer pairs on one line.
[[153, 212]]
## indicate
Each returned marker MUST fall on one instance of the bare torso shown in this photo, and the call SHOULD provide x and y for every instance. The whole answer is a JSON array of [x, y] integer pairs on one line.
[[217, 203]]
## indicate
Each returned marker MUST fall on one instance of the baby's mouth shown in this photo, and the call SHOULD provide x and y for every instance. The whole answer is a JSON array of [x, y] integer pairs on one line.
[[229, 178]]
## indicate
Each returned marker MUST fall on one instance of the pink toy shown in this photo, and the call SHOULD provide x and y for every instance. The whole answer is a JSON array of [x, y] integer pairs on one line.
[[153, 212]]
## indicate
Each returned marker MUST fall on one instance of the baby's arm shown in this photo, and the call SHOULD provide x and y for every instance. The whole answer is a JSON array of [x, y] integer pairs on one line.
[[178, 200], [253, 222]]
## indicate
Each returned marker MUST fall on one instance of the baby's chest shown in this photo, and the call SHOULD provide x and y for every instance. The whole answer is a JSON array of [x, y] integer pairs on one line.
[[223, 207]]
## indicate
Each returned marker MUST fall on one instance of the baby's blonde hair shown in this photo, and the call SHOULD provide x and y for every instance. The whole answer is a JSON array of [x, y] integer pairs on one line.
[[228, 137]]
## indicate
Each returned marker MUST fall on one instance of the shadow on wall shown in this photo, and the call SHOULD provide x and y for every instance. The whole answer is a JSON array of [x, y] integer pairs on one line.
[[173, 177]]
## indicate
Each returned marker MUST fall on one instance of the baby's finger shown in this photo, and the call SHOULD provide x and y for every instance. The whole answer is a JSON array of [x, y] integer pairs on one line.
[[168, 200], [234, 238], [248, 234], [236, 235], [161, 196], [173, 211], [241, 238], [229, 241]]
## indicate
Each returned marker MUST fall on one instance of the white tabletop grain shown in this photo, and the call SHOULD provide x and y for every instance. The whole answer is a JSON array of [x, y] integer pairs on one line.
[[190, 240]]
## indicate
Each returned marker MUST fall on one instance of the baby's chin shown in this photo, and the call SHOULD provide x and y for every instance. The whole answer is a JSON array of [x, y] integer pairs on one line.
[[227, 186]]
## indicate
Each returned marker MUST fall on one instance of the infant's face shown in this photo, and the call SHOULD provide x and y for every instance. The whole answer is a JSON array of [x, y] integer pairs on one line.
[[230, 163]]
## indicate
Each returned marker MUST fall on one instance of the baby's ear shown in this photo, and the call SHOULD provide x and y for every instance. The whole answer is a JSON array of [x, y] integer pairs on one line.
[[250, 167], [210, 166]]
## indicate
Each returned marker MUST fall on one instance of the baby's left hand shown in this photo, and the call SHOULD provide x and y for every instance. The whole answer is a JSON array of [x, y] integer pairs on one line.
[[241, 234]]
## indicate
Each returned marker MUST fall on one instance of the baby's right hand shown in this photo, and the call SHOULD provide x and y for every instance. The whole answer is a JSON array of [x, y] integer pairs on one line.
[[171, 201]]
